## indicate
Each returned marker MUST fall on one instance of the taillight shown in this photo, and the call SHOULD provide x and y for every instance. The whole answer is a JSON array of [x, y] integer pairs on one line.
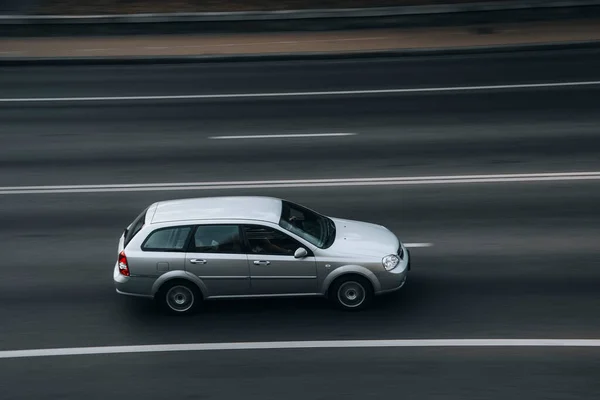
[[123, 267]]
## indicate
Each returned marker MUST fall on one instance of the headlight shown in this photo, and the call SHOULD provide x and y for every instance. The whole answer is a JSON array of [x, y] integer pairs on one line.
[[390, 262]]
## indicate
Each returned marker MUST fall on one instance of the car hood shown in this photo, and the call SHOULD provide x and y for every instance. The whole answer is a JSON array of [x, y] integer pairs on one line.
[[363, 238]]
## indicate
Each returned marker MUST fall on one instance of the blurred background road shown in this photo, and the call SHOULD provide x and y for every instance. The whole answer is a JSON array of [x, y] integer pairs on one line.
[[111, 140], [502, 260]]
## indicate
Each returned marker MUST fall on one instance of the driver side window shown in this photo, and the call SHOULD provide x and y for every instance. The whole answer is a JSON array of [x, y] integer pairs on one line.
[[266, 240]]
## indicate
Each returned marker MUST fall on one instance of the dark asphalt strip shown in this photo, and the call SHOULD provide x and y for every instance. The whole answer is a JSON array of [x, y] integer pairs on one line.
[[455, 374]]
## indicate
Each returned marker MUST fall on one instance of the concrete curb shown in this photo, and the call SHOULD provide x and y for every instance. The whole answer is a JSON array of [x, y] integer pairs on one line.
[[146, 60], [299, 20]]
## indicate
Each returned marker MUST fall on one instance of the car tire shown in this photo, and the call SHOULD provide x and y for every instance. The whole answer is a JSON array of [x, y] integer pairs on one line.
[[351, 293], [179, 298]]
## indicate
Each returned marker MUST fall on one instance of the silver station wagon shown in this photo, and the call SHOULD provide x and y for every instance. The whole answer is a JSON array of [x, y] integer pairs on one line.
[[182, 252]]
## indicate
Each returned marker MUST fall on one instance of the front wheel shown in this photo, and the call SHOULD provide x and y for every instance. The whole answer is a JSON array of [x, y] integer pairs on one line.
[[351, 293], [179, 298]]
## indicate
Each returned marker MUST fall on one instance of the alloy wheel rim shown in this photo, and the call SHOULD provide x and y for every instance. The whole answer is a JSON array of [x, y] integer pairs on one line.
[[351, 294], [180, 298]]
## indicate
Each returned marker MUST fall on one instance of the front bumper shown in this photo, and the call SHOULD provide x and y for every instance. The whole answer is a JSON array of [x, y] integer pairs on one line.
[[395, 279]]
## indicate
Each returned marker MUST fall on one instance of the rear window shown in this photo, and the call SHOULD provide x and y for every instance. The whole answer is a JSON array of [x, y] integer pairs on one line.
[[135, 227]]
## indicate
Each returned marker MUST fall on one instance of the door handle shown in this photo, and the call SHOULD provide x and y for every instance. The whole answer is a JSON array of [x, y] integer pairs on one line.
[[262, 262], [197, 261]]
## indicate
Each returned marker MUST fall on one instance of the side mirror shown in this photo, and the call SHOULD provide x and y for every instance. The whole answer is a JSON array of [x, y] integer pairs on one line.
[[300, 253]]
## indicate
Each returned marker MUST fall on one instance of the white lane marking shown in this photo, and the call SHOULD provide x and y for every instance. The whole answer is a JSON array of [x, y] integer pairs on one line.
[[417, 245], [74, 351], [301, 94], [299, 135], [393, 181]]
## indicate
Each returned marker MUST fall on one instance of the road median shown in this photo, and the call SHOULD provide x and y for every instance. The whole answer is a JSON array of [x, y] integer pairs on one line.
[[584, 33], [556, 27], [431, 14]]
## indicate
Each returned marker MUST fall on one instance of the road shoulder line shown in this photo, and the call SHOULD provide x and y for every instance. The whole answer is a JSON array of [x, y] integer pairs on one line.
[[163, 348], [310, 183], [349, 92]]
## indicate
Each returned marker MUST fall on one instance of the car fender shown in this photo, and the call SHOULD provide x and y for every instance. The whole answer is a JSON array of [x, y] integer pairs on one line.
[[179, 274], [350, 269]]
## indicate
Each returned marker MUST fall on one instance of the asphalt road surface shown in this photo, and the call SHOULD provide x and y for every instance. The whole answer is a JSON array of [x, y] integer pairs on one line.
[[508, 260]]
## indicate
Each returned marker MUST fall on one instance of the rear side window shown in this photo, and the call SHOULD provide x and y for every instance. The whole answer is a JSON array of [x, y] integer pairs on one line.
[[167, 239], [217, 239], [135, 227]]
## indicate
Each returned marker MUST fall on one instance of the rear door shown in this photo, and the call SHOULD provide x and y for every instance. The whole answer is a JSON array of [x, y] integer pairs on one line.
[[273, 268], [215, 255]]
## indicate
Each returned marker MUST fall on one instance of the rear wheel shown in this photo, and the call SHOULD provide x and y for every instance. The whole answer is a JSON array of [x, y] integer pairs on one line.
[[179, 298], [351, 293]]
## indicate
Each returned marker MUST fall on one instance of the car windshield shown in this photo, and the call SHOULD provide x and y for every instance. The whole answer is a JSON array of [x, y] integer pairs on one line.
[[309, 225]]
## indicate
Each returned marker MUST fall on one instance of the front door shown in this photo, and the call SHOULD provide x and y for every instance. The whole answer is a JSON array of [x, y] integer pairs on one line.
[[273, 268], [216, 256]]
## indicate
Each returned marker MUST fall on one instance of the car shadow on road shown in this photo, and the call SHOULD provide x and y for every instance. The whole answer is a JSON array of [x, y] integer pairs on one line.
[[309, 308]]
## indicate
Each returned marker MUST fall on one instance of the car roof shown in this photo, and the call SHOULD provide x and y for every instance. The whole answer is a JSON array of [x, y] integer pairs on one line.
[[255, 208]]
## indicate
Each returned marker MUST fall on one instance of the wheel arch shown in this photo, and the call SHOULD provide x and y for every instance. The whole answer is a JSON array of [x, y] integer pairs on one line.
[[350, 270], [179, 275]]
